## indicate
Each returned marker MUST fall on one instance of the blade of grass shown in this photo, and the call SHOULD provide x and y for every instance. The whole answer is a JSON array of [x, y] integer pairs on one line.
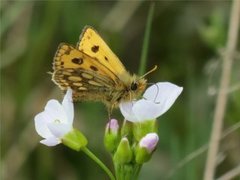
[[222, 96], [143, 60], [231, 174], [11, 15], [200, 151], [129, 9]]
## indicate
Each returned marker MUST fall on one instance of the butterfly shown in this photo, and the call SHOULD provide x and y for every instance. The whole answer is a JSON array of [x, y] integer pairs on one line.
[[94, 72]]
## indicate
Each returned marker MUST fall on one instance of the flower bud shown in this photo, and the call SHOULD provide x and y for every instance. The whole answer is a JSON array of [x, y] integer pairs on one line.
[[74, 139], [146, 147], [124, 153], [111, 138], [112, 126]]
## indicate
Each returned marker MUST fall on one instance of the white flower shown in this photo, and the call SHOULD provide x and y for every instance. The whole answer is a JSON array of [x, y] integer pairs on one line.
[[156, 100], [56, 120]]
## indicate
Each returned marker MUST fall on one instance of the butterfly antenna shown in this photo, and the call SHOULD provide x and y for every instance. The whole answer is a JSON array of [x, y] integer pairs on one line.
[[110, 109], [151, 84], [153, 69]]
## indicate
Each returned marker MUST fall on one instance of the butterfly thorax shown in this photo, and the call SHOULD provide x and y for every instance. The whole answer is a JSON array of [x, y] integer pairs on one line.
[[130, 87]]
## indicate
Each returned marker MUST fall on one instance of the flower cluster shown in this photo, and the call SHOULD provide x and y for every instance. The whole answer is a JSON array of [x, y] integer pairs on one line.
[[134, 142], [131, 144]]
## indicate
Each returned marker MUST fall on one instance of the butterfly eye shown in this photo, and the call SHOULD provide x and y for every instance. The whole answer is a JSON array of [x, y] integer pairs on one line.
[[134, 86]]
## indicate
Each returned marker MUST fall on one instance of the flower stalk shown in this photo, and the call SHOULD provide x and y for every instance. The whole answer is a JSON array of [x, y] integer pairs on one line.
[[98, 161], [127, 171]]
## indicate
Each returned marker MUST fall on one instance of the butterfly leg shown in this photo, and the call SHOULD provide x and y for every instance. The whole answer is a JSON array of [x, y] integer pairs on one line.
[[110, 109]]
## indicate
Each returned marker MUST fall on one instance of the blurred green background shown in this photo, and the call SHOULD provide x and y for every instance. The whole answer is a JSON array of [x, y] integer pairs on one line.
[[186, 42]]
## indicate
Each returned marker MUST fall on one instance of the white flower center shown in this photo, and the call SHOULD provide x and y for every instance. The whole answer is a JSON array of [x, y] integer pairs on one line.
[[57, 121]]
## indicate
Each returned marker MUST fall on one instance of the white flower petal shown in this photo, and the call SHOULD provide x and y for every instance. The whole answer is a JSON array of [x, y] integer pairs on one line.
[[56, 120], [55, 110], [157, 100], [41, 120], [51, 141], [126, 110], [68, 105], [147, 110], [59, 129], [164, 94], [162, 91]]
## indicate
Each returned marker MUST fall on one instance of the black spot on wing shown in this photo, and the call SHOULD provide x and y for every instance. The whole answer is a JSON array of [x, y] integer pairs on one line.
[[95, 48], [105, 58], [94, 68], [77, 60]]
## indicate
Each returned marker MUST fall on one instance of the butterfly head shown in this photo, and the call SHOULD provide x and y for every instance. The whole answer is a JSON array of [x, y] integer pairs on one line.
[[135, 85], [134, 88], [138, 85]]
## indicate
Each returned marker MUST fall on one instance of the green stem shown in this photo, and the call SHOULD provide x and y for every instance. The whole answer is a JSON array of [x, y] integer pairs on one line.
[[118, 171], [137, 171], [127, 171], [98, 161], [143, 59]]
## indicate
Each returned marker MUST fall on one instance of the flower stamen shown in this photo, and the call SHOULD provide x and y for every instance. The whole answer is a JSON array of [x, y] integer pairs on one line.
[[57, 121]]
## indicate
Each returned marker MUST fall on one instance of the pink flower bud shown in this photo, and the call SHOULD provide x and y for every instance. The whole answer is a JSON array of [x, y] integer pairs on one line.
[[149, 142], [112, 136], [112, 126]]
